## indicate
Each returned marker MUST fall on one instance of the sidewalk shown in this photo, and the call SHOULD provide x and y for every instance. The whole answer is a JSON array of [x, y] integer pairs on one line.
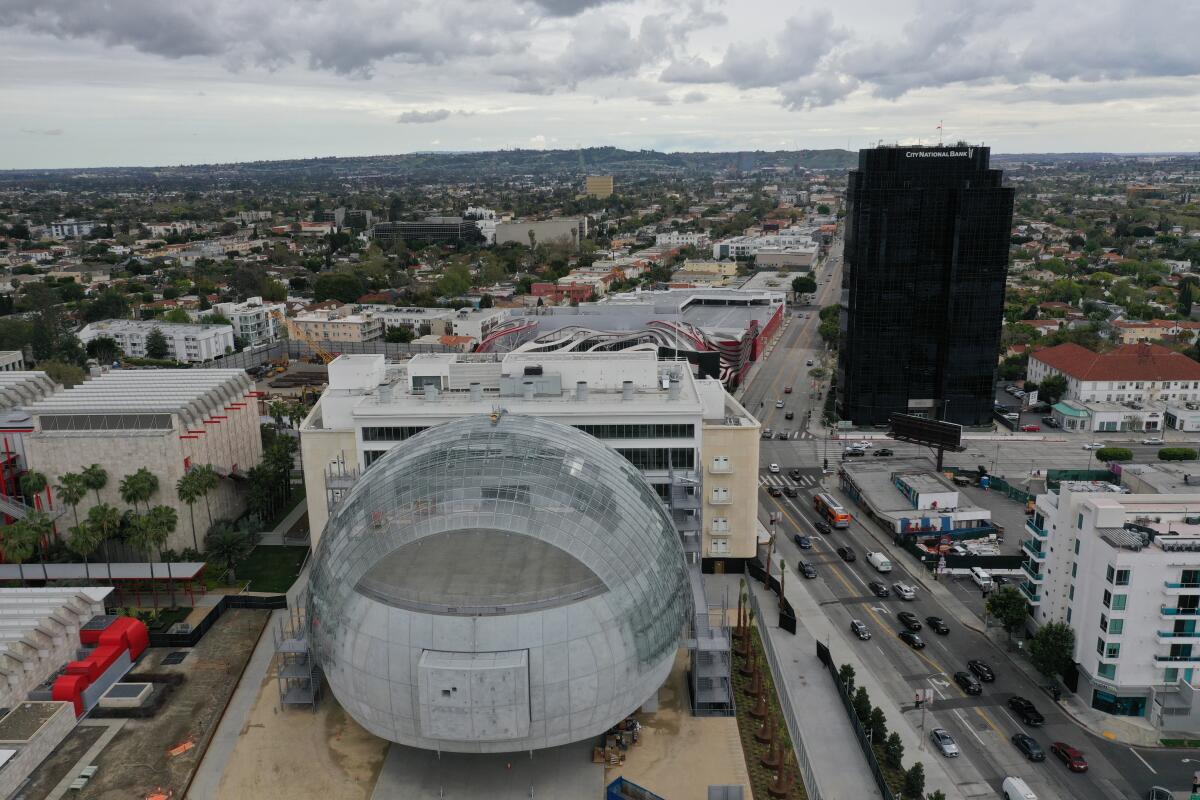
[[275, 537], [837, 760], [815, 625]]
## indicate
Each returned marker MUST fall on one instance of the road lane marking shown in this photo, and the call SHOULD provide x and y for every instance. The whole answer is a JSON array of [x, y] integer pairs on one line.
[[1153, 771], [966, 725]]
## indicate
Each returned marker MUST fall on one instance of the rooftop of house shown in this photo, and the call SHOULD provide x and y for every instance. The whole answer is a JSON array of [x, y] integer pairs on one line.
[[1130, 362]]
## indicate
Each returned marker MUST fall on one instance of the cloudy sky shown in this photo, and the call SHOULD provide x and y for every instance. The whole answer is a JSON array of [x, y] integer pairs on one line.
[[153, 82]]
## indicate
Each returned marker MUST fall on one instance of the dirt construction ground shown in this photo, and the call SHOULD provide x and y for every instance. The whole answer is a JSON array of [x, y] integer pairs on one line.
[[136, 761], [301, 755]]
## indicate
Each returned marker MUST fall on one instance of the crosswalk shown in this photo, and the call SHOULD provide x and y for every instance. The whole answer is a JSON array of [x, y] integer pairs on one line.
[[804, 481], [795, 435]]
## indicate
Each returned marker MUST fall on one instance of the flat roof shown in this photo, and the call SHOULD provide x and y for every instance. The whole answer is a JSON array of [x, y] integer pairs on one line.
[[479, 570], [109, 325], [143, 391]]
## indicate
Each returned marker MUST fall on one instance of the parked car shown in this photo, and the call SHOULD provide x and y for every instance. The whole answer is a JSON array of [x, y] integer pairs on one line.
[[1028, 747], [791, 491], [1159, 793], [784, 434], [787, 390], [883, 452], [846, 554], [808, 363], [773, 469], [944, 742], [909, 620], [807, 570], [904, 591], [767, 433], [1093, 446], [1031, 428], [803, 542], [912, 640], [863, 445], [774, 491], [967, 682], [779, 404], [1069, 756], [1026, 711], [823, 528], [982, 670], [790, 415], [937, 625], [878, 589], [1152, 440], [794, 473], [859, 630]]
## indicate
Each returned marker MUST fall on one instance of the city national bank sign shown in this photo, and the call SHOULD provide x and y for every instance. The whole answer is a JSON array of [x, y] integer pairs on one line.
[[968, 153]]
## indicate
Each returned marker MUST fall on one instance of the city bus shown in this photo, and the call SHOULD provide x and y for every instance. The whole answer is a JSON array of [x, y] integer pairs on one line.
[[831, 510]]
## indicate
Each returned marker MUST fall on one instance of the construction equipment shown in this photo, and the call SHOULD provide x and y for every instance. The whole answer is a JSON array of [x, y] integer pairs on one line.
[[296, 332]]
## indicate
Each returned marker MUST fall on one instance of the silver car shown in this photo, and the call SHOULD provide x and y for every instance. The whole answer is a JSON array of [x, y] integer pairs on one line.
[[944, 742]]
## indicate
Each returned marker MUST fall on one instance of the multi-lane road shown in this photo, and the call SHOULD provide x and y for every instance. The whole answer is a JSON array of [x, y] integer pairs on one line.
[[982, 725]]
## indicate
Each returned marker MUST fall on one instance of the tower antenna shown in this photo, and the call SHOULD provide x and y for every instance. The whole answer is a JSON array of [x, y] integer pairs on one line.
[[939, 130]]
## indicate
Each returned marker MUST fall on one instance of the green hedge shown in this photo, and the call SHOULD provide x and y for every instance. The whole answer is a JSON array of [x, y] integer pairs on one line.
[[1177, 454], [1114, 454]]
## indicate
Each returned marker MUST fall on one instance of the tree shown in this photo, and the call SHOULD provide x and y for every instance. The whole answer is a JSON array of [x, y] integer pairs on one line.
[[399, 334], [227, 544], [1177, 454], [893, 751], [878, 724], [829, 330], [20, 542], [106, 521], [32, 484], [822, 209], [177, 315], [1051, 651], [69, 375], [278, 410], [343, 286], [72, 488], [1185, 299], [1107, 454], [188, 491], [938, 795], [846, 676], [40, 527], [160, 523], [455, 281], [104, 349], [95, 478], [804, 284], [208, 480], [862, 705], [1009, 607], [914, 780], [139, 487], [84, 540], [1052, 389], [156, 344], [818, 373]]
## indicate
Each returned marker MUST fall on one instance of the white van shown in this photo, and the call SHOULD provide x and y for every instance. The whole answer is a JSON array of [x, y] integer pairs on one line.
[[879, 561], [982, 579], [1016, 789]]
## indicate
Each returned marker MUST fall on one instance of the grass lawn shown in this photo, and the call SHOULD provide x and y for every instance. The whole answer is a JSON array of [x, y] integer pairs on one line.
[[168, 617], [271, 569]]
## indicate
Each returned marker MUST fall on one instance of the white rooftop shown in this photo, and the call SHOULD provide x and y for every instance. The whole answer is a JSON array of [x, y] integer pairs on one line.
[[164, 391], [145, 325], [22, 388]]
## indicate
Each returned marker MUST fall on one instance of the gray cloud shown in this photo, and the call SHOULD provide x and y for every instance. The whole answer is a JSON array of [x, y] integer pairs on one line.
[[568, 8], [695, 97], [43, 131], [423, 117]]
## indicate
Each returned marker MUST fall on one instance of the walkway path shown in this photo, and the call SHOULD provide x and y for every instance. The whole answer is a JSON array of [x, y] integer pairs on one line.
[[275, 537]]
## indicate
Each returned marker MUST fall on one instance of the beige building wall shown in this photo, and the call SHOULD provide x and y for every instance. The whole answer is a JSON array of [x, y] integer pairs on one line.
[[342, 329], [318, 449], [729, 454], [599, 186]]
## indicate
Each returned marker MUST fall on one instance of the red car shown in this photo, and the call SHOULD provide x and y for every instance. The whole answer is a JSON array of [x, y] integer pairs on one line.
[[787, 390], [1031, 428], [1069, 756]]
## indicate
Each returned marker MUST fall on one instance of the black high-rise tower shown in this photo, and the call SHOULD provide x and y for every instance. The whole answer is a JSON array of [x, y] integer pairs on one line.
[[927, 233]]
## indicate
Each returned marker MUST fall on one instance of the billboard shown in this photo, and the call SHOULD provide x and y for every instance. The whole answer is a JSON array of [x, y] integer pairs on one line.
[[920, 430]]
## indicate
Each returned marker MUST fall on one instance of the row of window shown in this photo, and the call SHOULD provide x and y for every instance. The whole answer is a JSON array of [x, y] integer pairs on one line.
[[660, 458], [391, 433], [647, 431]]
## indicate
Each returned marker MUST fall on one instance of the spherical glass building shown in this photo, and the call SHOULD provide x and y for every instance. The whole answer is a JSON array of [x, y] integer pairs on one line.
[[497, 585]]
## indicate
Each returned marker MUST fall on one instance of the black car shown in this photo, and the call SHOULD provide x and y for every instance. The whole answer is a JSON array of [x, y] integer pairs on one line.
[[774, 491], [967, 682], [803, 542], [878, 589], [859, 630], [909, 620], [912, 640], [883, 452], [1029, 747], [790, 415], [846, 554], [794, 473], [937, 625], [982, 670], [822, 528], [784, 434], [808, 570], [791, 491], [1026, 711]]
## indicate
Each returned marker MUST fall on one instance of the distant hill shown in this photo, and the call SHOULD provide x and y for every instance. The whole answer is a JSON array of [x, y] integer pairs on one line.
[[441, 167]]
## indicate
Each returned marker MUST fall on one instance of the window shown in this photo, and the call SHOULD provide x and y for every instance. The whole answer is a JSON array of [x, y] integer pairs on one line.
[[1077, 541], [1078, 524], [648, 431], [720, 524], [1122, 577], [1100, 646], [1069, 610], [1107, 599], [1170, 675], [1071, 591], [1103, 623], [1108, 573], [720, 496], [1107, 671], [1119, 602], [1116, 627], [371, 456], [720, 464], [390, 434], [1074, 569], [660, 458], [1112, 650], [719, 547]]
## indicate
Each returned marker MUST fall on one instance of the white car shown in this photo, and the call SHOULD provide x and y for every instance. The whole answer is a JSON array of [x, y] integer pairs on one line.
[[1093, 446], [904, 591], [944, 742], [864, 445], [779, 404], [774, 469], [1152, 440]]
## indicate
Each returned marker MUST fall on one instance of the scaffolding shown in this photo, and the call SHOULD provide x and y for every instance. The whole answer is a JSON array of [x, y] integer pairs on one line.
[[297, 674]]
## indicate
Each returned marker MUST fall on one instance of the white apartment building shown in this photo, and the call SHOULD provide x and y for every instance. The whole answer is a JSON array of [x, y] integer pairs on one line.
[[794, 239], [680, 239], [187, 342], [1146, 374], [71, 228], [696, 445], [473, 322], [1123, 570], [254, 321]]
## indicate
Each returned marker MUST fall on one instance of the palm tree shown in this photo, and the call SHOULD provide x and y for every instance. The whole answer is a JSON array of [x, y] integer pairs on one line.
[[95, 478], [187, 489], [32, 484], [19, 543], [83, 541], [207, 479], [278, 410], [72, 488], [105, 520], [162, 521], [227, 544], [39, 527], [296, 413], [139, 487]]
